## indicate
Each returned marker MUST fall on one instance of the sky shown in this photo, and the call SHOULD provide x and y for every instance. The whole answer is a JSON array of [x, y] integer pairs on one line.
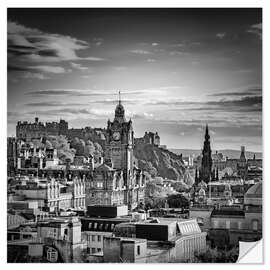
[[177, 69]]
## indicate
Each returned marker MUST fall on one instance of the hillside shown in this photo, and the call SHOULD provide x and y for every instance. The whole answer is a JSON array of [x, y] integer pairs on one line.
[[159, 162]]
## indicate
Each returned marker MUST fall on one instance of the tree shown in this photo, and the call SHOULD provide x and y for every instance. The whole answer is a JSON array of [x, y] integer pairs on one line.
[[89, 148], [61, 144], [178, 201], [154, 196], [217, 256], [180, 186]]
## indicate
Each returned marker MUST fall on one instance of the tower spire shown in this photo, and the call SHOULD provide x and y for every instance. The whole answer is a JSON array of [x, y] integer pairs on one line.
[[119, 93]]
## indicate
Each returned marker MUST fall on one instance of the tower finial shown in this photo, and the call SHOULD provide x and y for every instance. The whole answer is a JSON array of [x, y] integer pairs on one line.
[[119, 93]]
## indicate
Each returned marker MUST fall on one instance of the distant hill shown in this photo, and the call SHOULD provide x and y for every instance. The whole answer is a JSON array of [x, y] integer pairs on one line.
[[230, 153], [159, 162]]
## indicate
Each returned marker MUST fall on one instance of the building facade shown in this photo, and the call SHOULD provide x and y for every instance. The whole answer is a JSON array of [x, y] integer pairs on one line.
[[27, 131], [119, 156]]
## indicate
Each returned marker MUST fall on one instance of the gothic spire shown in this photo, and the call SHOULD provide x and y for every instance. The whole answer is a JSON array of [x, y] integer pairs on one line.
[[119, 94], [206, 163], [207, 137]]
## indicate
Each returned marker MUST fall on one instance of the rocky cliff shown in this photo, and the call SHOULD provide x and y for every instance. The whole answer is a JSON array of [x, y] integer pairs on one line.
[[159, 162]]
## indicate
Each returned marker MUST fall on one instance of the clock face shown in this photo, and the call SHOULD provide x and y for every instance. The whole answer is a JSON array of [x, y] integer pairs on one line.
[[116, 136]]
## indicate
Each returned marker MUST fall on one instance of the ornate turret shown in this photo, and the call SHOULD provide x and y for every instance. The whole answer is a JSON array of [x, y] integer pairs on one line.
[[120, 111]]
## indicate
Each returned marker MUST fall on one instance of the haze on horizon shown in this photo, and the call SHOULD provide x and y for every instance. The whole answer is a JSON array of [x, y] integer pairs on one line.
[[177, 69]]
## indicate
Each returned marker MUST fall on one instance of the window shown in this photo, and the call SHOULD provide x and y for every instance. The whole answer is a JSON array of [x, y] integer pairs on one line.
[[239, 225], [255, 224], [99, 238], [215, 223], [138, 250], [99, 250], [54, 233], [227, 224], [93, 238], [52, 255], [93, 250]]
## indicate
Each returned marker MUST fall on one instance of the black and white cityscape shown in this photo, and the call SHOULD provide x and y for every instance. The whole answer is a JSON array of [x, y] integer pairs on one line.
[[133, 135]]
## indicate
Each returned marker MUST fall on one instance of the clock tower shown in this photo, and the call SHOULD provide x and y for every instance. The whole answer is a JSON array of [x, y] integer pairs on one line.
[[119, 143]]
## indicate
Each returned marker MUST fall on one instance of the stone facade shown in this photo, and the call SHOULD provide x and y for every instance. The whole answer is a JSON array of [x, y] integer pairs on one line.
[[119, 157], [151, 138], [27, 131], [55, 195]]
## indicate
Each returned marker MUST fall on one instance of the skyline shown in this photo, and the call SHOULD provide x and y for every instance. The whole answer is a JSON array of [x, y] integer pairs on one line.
[[177, 69]]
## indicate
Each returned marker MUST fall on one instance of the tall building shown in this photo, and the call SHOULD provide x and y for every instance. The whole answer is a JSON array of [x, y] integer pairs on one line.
[[206, 164], [120, 142], [117, 182], [11, 155], [242, 165]]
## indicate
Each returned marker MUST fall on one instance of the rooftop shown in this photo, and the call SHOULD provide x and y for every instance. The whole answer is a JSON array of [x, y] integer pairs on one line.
[[233, 212]]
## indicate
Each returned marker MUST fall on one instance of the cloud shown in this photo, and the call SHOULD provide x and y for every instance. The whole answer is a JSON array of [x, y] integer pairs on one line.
[[33, 45], [53, 104], [95, 93], [78, 66], [60, 112], [155, 44], [31, 75], [120, 68], [143, 52], [50, 69], [57, 92], [242, 104], [13, 114], [249, 102], [41, 68], [144, 115], [98, 41], [151, 60], [256, 29], [250, 91], [70, 113], [221, 35], [175, 53]]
